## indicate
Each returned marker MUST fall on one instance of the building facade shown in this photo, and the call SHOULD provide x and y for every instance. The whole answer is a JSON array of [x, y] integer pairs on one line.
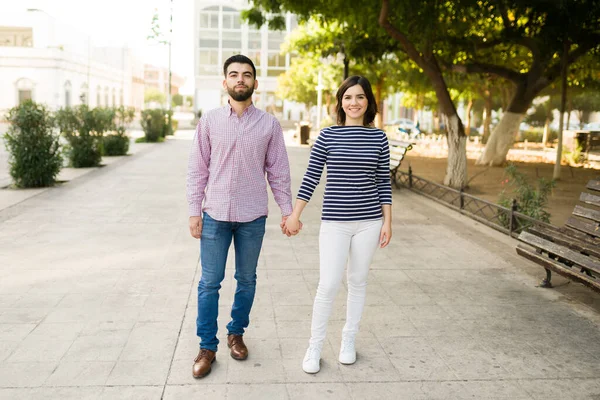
[[47, 62], [220, 33], [158, 78]]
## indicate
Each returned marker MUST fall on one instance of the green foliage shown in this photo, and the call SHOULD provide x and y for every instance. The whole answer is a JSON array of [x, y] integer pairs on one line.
[[35, 158], [531, 201], [153, 95], [177, 99], [117, 143], [573, 158], [84, 128], [155, 125], [299, 83]]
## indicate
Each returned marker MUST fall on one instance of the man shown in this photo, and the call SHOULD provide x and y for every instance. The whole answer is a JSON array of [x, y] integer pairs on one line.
[[227, 195]]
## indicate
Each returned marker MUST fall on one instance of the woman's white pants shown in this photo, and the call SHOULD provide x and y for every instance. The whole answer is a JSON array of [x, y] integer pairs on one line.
[[353, 243]]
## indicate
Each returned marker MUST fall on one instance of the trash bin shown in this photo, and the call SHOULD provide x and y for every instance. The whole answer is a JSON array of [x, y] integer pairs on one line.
[[304, 134]]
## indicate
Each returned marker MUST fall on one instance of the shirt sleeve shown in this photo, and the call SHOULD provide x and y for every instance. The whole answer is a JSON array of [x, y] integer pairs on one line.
[[277, 167], [316, 164], [384, 184], [198, 168]]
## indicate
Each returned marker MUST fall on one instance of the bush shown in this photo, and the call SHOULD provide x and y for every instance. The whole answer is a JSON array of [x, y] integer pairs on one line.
[[35, 158], [531, 201], [116, 145], [83, 128], [154, 124], [174, 125]]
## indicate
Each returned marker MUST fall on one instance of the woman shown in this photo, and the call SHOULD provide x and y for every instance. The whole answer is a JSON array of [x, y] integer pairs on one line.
[[356, 215]]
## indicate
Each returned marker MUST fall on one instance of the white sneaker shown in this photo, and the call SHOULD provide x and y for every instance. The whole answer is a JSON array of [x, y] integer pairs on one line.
[[347, 351], [312, 360]]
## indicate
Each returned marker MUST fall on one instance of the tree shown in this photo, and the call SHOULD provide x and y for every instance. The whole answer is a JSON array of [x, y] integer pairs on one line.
[[177, 99], [522, 41], [152, 94], [299, 83], [416, 28]]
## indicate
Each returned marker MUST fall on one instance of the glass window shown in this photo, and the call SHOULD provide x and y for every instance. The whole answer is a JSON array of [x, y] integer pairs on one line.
[[276, 60], [209, 20], [24, 94], [231, 20], [67, 94], [229, 53], [208, 42], [254, 41], [275, 72], [98, 96], [276, 38], [209, 57], [255, 57], [232, 39]]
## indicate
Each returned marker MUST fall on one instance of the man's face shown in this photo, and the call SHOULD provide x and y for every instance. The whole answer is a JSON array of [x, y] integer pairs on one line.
[[240, 82]]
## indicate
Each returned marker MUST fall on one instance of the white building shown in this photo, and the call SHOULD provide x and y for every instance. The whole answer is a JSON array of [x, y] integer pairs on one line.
[[48, 62], [218, 34]]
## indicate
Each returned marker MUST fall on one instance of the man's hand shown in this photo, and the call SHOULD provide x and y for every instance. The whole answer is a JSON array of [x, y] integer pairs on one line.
[[196, 227]]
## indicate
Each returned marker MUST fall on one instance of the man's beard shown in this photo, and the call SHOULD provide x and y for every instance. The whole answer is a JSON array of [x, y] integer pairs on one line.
[[240, 96]]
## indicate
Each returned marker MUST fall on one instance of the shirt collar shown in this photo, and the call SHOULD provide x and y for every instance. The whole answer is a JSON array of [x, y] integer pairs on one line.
[[248, 111]]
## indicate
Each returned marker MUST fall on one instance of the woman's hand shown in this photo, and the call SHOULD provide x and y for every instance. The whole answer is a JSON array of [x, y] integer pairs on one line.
[[386, 234], [292, 225]]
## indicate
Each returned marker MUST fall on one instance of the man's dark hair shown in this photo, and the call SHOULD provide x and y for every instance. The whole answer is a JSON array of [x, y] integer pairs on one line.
[[238, 58], [371, 112]]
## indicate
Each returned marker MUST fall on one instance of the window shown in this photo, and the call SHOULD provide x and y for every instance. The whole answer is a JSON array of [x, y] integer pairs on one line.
[[24, 89], [210, 57], [106, 96], [232, 39], [276, 38], [24, 94], [16, 37], [276, 60], [209, 39], [98, 96], [209, 20], [121, 97], [114, 97], [67, 94]]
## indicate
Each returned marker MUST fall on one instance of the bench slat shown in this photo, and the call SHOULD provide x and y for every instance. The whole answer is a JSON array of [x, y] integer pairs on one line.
[[594, 185], [584, 226], [563, 252], [589, 198], [564, 239], [587, 213], [559, 268]]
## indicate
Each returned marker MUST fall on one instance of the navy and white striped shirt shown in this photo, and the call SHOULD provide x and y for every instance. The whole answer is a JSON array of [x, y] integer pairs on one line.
[[358, 173]]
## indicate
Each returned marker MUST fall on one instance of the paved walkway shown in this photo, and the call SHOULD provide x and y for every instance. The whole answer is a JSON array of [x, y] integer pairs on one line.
[[98, 301]]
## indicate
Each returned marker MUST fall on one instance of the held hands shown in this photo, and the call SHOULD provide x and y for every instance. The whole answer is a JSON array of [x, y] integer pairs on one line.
[[290, 225]]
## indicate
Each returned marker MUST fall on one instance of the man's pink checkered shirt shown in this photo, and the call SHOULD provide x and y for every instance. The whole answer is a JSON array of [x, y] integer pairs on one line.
[[229, 159]]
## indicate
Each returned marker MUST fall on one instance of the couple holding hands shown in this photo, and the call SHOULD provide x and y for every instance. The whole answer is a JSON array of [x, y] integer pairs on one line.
[[233, 149]]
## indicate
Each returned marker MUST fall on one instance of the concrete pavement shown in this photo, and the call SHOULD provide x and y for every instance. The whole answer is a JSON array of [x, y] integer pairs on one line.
[[98, 285]]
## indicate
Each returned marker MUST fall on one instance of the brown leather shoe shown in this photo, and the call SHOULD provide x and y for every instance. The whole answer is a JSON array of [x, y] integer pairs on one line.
[[239, 351], [202, 363]]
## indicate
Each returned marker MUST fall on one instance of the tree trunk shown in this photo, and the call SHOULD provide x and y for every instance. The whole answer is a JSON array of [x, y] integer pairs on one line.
[[468, 117], [378, 93], [546, 132], [456, 169], [503, 136], [346, 67], [487, 121]]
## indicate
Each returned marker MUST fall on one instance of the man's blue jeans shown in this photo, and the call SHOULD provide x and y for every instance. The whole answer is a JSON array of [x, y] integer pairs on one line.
[[214, 245]]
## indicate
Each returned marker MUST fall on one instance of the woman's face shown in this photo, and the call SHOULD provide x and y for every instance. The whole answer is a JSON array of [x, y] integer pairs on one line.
[[355, 103]]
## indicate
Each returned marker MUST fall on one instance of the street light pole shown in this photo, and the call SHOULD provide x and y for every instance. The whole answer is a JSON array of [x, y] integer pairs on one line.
[[170, 40]]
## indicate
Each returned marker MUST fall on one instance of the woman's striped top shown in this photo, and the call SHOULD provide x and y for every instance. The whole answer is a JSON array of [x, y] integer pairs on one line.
[[358, 174]]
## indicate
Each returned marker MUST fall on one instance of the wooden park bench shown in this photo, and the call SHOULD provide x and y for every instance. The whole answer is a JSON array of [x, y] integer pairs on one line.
[[398, 149], [573, 250]]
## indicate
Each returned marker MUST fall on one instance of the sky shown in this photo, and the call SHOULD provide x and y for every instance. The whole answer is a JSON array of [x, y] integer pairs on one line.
[[127, 22]]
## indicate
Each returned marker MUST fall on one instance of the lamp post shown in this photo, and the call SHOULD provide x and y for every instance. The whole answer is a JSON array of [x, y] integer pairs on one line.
[[319, 98]]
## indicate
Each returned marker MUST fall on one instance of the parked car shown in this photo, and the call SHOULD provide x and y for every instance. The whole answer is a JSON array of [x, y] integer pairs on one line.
[[592, 126], [405, 125]]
